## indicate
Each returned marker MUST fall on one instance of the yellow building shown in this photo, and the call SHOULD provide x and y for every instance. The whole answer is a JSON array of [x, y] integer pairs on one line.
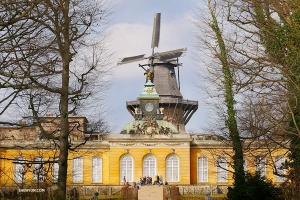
[[154, 143], [148, 146]]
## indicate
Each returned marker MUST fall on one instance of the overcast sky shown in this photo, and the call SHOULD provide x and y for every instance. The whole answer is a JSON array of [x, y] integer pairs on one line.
[[131, 34]]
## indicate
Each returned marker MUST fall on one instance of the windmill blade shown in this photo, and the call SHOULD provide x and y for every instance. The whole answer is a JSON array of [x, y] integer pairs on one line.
[[131, 59], [167, 55], [156, 31]]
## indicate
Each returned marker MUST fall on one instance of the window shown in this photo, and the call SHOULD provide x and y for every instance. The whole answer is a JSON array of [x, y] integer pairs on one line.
[[19, 170], [97, 170], [149, 166], [172, 168], [222, 174], [38, 170], [55, 170], [261, 165], [280, 168], [202, 169], [245, 164], [77, 170], [126, 168]]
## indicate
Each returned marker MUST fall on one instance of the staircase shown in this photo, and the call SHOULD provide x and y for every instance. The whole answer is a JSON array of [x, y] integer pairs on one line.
[[154, 192]]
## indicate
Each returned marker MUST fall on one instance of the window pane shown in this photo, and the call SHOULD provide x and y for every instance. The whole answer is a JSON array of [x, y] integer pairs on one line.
[[55, 171], [222, 174], [149, 166], [77, 170], [97, 169], [38, 171], [126, 168], [202, 169], [19, 170], [261, 165], [245, 165], [280, 168], [172, 169]]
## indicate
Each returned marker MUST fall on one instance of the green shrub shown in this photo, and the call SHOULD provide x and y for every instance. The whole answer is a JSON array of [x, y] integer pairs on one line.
[[256, 188]]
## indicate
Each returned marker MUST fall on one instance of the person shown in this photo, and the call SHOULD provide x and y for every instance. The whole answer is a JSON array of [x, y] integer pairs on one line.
[[135, 185], [155, 180], [95, 196], [124, 179], [141, 181], [168, 189], [161, 181], [208, 197]]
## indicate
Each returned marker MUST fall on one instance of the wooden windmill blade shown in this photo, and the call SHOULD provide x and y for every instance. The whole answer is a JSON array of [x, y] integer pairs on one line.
[[156, 31], [168, 55], [131, 59]]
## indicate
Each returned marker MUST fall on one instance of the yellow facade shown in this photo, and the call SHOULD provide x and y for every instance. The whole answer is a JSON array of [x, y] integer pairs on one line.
[[113, 147]]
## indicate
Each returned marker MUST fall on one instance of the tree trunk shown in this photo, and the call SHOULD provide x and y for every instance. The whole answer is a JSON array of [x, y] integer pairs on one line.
[[239, 174]]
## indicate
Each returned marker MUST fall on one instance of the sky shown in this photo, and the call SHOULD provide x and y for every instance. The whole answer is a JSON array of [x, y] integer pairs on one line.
[[130, 29]]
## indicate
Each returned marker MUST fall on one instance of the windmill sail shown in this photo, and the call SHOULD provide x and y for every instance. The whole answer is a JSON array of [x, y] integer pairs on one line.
[[167, 55], [156, 31], [131, 59]]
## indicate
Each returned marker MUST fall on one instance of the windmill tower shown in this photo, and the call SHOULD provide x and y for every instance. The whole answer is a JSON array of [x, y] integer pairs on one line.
[[161, 66]]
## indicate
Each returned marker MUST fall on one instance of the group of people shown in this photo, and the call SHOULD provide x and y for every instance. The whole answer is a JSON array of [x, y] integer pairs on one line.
[[148, 180]]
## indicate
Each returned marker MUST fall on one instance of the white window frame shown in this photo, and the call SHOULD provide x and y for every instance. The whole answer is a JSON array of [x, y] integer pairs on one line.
[[172, 168], [222, 173], [96, 169], [19, 170], [55, 167], [261, 165], [149, 166], [126, 168], [202, 169], [279, 164], [77, 170], [38, 170]]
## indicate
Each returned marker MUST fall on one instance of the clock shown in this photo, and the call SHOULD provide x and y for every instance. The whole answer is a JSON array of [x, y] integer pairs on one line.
[[149, 107]]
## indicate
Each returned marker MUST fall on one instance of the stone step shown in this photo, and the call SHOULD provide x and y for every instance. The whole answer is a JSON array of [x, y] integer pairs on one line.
[[149, 192]]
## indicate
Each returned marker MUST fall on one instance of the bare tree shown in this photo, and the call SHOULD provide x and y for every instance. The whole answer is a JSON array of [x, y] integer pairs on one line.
[[248, 90], [53, 61], [275, 25]]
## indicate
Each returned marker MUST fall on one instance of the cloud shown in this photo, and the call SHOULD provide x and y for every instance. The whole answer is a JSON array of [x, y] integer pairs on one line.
[[135, 39]]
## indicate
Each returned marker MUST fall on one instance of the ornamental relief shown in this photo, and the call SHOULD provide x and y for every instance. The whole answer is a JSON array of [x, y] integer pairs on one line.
[[125, 144], [150, 144], [150, 127], [174, 144]]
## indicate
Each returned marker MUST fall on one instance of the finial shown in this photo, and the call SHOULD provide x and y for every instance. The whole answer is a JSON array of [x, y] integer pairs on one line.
[[149, 75]]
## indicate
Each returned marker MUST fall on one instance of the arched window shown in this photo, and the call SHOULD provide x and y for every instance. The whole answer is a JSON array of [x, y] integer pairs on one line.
[[126, 168], [202, 169], [77, 170], [222, 174], [149, 166], [97, 170], [38, 171], [172, 169], [19, 170]]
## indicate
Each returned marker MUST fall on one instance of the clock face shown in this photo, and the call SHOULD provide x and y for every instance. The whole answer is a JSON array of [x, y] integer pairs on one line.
[[149, 107]]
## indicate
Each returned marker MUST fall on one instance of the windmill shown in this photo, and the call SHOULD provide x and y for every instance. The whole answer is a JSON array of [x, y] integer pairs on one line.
[[162, 65], [165, 62]]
